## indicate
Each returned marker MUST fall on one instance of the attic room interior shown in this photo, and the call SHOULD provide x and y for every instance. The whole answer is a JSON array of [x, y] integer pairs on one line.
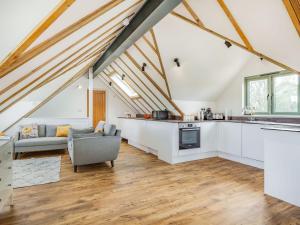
[[150, 112]]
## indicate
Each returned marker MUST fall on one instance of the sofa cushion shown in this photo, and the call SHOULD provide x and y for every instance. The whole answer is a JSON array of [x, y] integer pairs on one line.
[[29, 131], [42, 141], [110, 129], [62, 131], [42, 130], [51, 130]]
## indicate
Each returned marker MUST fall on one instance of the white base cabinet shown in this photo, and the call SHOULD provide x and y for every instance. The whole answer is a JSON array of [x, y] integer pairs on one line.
[[235, 141], [6, 190], [253, 142], [282, 154], [230, 138]]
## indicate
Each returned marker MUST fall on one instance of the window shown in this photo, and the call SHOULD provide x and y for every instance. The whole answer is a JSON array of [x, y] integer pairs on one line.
[[276, 93], [124, 85]]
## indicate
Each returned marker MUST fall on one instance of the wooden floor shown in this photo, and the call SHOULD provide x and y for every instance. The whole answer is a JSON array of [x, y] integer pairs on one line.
[[141, 189]]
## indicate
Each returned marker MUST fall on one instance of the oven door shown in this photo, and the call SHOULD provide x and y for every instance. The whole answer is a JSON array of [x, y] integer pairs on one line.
[[189, 138]]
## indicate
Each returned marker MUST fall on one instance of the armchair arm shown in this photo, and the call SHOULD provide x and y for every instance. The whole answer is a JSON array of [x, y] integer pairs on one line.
[[90, 150]]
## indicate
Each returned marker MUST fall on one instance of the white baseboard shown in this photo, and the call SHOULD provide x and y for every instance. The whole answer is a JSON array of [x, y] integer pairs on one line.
[[246, 161], [142, 147], [202, 155], [192, 157]]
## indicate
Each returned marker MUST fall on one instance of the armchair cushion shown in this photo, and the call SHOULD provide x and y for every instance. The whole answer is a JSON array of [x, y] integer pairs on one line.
[[82, 131], [83, 135], [110, 129]]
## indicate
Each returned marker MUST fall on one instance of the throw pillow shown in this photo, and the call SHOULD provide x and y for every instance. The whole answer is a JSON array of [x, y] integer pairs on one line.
[[29, 131], [100, 127], [62, 131]]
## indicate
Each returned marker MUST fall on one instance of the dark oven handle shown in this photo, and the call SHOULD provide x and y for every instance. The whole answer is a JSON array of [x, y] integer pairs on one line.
[[190, 129]]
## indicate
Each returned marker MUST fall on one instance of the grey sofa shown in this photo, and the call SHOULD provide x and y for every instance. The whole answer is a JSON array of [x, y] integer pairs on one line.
[[87, 147], [46, 140]]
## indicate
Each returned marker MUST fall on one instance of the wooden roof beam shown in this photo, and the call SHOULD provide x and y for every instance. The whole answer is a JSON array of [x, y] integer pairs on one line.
[[55, 93], [31, 53], [118, 94], [145, 85], [53, 16], [235, 24], [192, 12], [293, 8], [140, 88], [160, 61], [154, 84]]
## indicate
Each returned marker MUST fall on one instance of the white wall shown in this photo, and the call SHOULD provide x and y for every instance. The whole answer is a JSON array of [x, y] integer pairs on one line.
[[193, 107], [115, 107], [69, 107], [70, 103], [232, 97]]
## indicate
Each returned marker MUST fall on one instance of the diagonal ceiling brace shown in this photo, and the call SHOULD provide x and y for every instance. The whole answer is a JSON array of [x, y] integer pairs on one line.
[[150, 14]]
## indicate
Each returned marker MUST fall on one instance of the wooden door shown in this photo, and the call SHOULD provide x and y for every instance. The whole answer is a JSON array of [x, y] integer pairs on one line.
[[99, 106]]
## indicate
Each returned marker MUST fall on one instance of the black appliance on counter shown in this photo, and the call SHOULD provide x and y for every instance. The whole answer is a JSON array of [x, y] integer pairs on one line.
[[160, 115], [189, 136], [208, 115]]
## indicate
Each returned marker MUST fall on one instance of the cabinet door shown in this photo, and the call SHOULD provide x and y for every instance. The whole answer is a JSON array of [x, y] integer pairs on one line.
[[252, 142], [230, 138], [208, 136]]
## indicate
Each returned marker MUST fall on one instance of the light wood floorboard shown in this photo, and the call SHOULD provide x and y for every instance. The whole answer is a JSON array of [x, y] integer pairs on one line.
[[141, 189]]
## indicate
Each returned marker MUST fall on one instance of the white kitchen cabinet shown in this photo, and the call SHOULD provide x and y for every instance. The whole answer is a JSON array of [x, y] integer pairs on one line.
[[208, 138], [253, 141], [230, 138]]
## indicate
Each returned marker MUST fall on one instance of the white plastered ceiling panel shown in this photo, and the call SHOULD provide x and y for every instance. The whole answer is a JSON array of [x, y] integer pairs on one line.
[[18, 18]]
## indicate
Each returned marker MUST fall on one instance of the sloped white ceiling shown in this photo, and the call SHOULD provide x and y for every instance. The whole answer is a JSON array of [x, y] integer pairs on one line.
[[207, 65], [269, 28], [18, 18]]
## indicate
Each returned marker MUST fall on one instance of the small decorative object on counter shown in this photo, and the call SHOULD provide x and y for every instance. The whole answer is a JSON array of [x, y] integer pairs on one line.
[[127, 114], [208, 115], [227, 114], [189, 118], [218, 116], [250, 111], [147, 116]]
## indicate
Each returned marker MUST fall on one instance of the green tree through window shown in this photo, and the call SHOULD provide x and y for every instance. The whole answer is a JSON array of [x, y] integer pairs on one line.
[[276, 93]]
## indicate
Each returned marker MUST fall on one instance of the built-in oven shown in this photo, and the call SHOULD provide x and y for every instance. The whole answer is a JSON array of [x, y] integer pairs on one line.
[[189, 136]]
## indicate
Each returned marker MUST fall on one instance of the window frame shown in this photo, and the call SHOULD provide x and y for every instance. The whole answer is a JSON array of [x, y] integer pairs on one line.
[[270, 79], [124, 83]]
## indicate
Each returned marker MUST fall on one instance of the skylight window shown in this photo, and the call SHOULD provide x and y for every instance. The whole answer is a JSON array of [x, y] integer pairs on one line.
[[124, 86]]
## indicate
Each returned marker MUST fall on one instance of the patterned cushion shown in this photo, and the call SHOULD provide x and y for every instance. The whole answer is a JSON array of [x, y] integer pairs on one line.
[[29, 131]]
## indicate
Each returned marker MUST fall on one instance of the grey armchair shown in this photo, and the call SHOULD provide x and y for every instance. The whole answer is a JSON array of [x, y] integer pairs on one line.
[[89, 147]]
